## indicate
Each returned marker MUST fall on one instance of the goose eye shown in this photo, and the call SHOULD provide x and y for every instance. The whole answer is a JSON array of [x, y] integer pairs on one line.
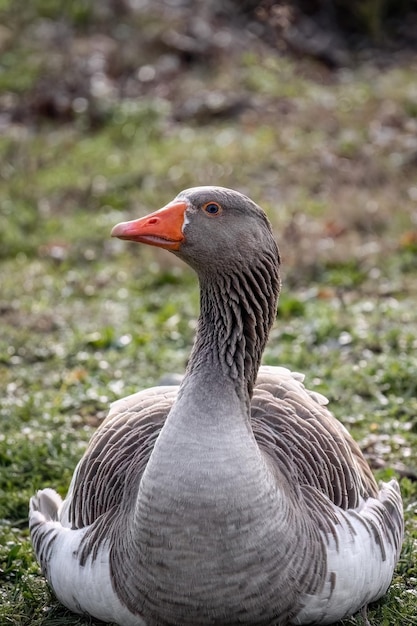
[[212, 208]]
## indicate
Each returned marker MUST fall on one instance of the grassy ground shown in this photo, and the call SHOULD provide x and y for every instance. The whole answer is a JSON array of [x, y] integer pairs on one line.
[[86, 320]]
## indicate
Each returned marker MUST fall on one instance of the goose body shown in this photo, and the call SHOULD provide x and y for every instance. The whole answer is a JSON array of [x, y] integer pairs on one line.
[[235, 497]]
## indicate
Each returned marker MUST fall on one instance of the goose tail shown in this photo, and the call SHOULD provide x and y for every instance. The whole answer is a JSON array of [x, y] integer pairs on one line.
[[44, 524], [46, 504]]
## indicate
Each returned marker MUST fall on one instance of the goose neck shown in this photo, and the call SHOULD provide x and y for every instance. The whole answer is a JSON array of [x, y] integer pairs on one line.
[[237, 311]]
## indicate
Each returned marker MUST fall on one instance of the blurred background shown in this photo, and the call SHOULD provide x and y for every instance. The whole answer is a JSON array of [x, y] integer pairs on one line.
[[108, 108], [309, 107]]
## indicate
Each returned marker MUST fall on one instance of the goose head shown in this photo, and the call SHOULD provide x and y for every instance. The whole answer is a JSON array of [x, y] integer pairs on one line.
[[213, 229]]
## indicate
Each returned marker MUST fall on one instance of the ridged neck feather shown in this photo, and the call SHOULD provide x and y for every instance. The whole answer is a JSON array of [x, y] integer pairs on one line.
[[237, 310]]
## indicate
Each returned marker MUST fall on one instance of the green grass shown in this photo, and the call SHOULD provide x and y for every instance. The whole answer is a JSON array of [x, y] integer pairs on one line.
[[86, 319]]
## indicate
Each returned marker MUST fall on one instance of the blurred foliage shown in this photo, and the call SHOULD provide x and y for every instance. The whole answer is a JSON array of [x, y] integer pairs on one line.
[[374, 17], [357, 21]]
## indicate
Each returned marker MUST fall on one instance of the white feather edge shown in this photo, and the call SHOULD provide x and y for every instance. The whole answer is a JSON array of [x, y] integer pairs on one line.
[[86, 589], [360, 575]]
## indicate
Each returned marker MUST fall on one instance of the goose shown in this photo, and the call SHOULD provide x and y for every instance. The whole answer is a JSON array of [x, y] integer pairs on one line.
[[235, 497]]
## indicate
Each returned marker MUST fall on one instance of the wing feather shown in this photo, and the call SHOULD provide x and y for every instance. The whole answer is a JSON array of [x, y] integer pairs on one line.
[[306, 442], [117, 455], [291, 424]]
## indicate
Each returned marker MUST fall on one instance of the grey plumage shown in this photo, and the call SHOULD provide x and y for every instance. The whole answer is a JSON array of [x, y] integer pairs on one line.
[[235, 498]]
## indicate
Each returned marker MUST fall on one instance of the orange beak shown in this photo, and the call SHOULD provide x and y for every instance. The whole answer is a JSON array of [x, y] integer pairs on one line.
[[163, 228]]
